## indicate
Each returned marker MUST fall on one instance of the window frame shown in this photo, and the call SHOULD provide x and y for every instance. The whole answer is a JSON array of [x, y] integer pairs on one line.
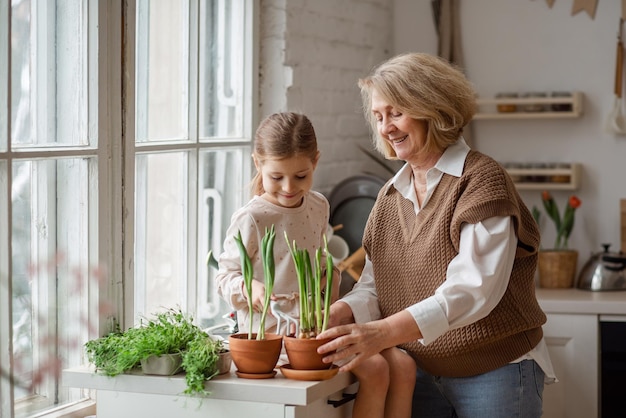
[[195, 144], [110, 102]]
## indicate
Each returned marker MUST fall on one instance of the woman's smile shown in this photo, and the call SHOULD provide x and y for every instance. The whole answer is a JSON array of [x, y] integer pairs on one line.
[[398, 140]]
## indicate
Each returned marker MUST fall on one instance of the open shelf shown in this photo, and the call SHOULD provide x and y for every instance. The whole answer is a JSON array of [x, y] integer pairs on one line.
[[542, 178], [488, 107]]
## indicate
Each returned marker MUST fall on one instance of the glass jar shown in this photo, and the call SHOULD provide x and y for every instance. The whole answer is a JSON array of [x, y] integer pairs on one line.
[[537, 176], [561, 178], [534, 107], [561, 107], [504, 107]]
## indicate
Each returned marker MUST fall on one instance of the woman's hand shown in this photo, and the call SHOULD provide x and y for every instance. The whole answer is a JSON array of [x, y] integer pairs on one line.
[[355, 342]]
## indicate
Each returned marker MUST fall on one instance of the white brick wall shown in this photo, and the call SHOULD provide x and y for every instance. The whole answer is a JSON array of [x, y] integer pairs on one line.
[[311, 55]]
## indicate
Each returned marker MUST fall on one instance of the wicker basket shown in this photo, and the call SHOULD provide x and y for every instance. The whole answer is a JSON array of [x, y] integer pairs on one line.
[[557, 268]]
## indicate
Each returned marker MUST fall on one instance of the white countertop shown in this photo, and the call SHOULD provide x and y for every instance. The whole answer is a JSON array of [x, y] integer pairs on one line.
[[228, 386], [578, 301]]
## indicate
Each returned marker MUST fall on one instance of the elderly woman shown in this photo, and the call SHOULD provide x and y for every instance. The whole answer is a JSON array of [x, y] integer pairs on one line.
[[451, 256]]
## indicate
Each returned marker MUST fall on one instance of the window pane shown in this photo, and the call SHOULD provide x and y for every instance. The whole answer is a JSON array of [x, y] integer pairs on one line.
[[4, 76], [48, 73], [5, 297], [160, 232], [162, 70], [221, 69], [220, 195], [50, 275]]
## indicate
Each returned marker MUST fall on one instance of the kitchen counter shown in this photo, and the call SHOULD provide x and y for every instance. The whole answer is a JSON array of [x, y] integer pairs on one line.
[[573, 336], [577, 301]]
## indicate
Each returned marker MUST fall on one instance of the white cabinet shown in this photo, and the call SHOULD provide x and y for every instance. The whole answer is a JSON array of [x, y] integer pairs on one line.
[[115, 404], [573, 344], [137, 395]]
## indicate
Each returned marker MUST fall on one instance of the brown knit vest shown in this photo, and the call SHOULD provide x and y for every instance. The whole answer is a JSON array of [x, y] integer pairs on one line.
[[410, 255]]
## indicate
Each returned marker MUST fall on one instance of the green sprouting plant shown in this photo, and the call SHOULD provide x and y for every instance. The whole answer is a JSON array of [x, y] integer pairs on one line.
[[114, 353], [200, 362], [267, 259], [211, 260], [168, 332], [313, 314], [247, 270]]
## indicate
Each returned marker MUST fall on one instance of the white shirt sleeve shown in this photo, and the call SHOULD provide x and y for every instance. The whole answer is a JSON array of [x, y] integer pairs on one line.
[[476, 279], [363, 299]]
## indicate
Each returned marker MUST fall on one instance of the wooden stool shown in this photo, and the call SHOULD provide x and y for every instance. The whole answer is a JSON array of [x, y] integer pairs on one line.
[[353, 265]]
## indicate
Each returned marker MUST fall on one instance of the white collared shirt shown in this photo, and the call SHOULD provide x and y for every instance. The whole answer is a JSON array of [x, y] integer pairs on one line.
[[476, 278]]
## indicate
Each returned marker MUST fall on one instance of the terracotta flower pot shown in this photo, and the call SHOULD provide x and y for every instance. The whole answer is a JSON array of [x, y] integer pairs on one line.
[[253, 358], [557, 268], [302, 353]]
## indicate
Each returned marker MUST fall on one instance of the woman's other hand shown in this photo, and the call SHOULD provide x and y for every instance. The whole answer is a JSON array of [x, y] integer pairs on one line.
[[353, 343]]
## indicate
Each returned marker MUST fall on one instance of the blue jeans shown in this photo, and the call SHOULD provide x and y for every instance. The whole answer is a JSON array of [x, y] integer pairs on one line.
[[514, 390]]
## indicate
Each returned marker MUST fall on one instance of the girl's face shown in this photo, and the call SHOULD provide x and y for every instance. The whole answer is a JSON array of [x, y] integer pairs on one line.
[[405, 135], [286, 181]]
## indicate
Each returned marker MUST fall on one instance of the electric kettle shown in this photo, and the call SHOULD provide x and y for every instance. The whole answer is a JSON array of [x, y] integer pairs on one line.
[[604, 271]]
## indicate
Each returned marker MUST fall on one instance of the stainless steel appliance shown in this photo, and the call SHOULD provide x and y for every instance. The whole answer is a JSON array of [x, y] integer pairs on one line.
[[604, 271]]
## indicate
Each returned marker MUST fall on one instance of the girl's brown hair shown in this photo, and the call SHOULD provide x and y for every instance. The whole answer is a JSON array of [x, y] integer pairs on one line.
[[283, 135]]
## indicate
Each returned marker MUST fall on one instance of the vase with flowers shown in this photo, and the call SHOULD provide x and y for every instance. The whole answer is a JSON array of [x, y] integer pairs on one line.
[[557, 266]]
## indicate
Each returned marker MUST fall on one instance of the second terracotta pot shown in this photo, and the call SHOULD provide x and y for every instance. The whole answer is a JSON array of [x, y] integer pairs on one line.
[[302, 353]]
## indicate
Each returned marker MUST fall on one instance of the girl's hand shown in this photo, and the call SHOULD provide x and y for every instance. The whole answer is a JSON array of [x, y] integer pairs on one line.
[[258, 295], [340, 314]]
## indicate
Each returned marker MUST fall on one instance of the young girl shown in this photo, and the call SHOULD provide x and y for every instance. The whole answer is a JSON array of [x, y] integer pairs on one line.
[[285, 155]]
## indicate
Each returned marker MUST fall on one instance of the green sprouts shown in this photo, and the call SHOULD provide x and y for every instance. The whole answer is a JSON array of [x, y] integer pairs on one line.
[[247, 270], [267, 259], [169, 332], [313, 315]]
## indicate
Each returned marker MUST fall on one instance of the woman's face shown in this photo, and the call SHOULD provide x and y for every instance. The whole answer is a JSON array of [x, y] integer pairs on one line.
[[405, 135], [286, 181]]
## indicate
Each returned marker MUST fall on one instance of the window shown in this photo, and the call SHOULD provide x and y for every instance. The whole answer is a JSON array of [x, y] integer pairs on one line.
[[192, 140], [116, 175]]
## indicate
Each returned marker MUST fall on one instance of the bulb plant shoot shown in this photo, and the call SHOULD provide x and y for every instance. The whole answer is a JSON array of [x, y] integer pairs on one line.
[[313, 314], [247, 270]]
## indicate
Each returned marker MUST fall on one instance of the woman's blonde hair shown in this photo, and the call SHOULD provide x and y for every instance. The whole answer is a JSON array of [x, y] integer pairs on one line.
[[424, 87], [283, 135]]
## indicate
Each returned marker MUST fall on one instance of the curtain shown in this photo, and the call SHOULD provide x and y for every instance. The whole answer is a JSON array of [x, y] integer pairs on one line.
[[448, 26]]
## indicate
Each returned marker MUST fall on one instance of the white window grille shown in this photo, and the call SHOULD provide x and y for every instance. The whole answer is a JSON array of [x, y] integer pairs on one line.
[[116, 176]]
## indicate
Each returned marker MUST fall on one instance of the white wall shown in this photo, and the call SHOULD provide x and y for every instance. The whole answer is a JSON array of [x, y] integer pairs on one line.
[[312, 54], [523, 45]]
